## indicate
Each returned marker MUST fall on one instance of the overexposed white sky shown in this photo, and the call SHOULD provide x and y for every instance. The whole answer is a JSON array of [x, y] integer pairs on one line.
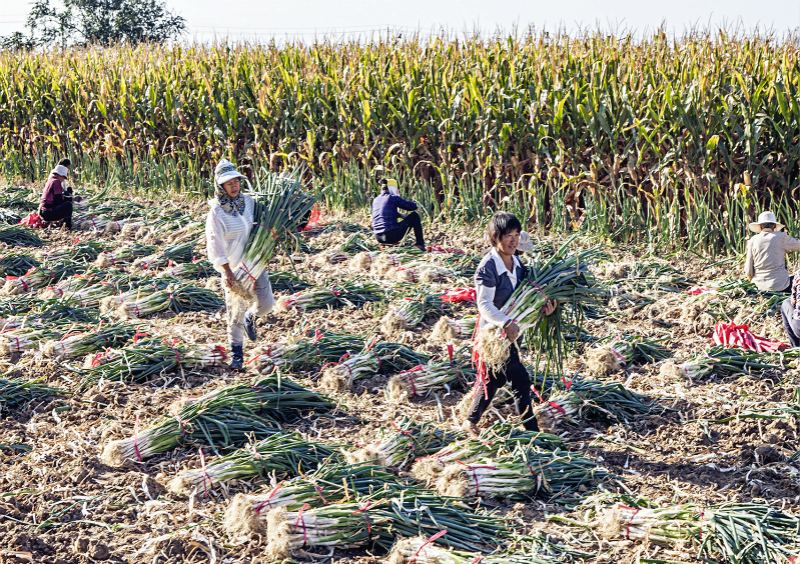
[[307, 19]]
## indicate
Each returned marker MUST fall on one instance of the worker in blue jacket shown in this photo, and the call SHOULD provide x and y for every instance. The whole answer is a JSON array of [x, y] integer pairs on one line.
[[388, 224]]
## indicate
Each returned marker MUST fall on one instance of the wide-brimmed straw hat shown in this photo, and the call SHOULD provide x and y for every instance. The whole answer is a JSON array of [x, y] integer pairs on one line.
[[226, 171], [60, 170], [765, 217], [525, 244]]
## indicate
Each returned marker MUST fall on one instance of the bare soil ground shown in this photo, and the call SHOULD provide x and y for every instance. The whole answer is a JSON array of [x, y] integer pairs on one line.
[[59, 503]]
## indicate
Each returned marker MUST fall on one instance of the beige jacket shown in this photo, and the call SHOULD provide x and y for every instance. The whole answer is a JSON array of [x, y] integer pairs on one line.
[[764, 264]]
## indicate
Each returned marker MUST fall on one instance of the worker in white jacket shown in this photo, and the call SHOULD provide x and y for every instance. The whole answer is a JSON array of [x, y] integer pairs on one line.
[[228, 226]]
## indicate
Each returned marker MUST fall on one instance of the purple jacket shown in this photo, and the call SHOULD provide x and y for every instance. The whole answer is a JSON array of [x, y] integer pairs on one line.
[[384, 211], [53, 193]]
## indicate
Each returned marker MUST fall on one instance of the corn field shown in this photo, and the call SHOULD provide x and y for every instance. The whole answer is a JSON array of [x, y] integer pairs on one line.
[[657, 141]]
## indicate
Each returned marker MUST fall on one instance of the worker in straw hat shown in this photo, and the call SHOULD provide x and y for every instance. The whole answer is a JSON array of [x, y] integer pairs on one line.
[[764, 264], [228, 226]]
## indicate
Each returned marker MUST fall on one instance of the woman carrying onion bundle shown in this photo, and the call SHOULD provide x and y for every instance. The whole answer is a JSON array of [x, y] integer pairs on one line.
[[228, 228], [496, 278]]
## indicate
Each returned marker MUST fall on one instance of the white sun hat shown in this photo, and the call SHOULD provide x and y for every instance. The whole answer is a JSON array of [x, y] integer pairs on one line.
[[525, 244], [765, 217], [61, 170], [226, 171]]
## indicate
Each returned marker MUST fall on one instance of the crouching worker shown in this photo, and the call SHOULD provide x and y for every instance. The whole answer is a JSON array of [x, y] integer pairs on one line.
[[388, 230], [496, 278], [790, 313], [764, 263], [228, 226], [56, 201]]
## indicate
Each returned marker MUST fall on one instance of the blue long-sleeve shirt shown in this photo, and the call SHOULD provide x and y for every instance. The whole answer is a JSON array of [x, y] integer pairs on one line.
[[384, 211]]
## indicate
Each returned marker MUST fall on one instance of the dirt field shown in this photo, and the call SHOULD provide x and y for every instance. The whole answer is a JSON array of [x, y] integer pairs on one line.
[[59, 503]]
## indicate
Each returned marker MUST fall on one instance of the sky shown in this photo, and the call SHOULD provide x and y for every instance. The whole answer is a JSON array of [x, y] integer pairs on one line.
[[307, 19]]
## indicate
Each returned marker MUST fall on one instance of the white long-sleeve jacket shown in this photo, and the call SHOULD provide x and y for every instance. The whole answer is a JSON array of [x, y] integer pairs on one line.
[[226, 235]]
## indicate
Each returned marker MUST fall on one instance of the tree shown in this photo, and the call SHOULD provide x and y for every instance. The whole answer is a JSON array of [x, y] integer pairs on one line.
[[103, 22]]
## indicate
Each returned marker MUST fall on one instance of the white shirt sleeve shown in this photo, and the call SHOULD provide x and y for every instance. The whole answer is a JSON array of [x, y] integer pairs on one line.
[[487, 308], [215, 245]]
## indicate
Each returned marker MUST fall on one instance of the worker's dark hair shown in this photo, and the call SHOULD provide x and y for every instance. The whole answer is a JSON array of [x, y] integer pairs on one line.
[[65, 162], [768, 225], [502, 223], [384, 184]]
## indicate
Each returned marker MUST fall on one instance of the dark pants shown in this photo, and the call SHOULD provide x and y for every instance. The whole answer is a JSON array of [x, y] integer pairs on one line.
[[514, 372], [790, 324], [411, 221], [61, 211]]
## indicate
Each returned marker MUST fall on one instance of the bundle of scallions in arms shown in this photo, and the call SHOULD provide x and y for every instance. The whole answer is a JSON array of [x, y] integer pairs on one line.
[[87, 340], [282, 455], [221, 420], [402, 443], [519, 475], [374, 359], [621, 351], [723, 361], [408, 312], [275, 396], [746, 533], [279, 205], [498, 440], [331, 483], [17, 392], [434, 375], [583, 399], [180, 252], [178, 298], [352, 293], [563, 277], [146, 358], [311, 349]]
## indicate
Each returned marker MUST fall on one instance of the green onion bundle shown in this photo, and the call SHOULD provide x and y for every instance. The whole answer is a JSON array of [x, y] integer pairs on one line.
[[282, 280], [86, 251], [16, 264], [621, 351], [331, 483], [221, 420], [423, 378], [363, 261], [67, 286], [281, 455], [343, 525], [178, 253], [420, 550], [501, 439], [90, 222], [382, 357], [448, 329], [19, 237], [23, 339], [723, 361], [180, 298], [401, 444], [352, 293], [409, 312], [417, 272], [192, 270], [315, 348], [78, 345], [38, 277], [278, 208], [586, 399], [562, 277], [123, 256], [17, 392], [334, 256], [520, 475], [90, 296], [275, 396], [748, 533]]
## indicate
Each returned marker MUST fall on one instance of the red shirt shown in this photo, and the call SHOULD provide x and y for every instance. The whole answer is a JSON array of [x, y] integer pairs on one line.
[[53, 193]]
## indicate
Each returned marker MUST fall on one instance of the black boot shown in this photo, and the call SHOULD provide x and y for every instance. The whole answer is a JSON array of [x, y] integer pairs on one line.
[[237, 357], [250, 326]]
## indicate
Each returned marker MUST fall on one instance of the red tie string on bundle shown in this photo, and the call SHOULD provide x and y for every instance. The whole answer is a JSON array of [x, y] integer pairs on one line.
[[366, 517], [630, 521], [460, 295], [268, 501], [697, 290], [732, 335], [475, 474], [302, 522], [435, 537]]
